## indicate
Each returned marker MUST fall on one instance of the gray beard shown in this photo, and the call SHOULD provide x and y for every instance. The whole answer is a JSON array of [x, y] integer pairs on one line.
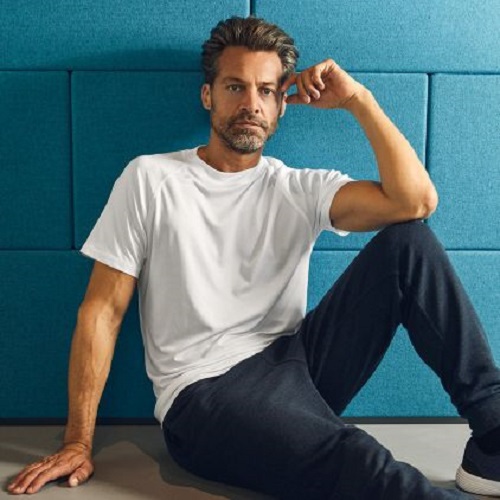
[[244, 142]]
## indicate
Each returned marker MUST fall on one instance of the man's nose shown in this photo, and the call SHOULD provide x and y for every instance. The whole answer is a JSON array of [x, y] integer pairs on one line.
[[250, 101]]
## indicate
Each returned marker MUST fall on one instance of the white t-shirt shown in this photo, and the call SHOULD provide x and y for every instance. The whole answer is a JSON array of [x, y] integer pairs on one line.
[[222, 259]]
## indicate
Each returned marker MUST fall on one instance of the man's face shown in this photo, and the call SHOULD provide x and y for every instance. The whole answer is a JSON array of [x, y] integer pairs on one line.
[[244, 99]]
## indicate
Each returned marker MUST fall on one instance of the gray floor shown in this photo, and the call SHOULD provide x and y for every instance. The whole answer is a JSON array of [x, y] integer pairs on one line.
[[132, 461]]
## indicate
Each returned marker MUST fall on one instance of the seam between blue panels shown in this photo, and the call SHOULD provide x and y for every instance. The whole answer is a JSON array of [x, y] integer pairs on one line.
[[448, 249], [191, 70], [71, 176], [428, 124], [333, 250]]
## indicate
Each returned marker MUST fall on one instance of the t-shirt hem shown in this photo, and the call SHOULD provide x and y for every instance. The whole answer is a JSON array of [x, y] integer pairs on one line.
[[110, 260], [325, 210], [190, 378]]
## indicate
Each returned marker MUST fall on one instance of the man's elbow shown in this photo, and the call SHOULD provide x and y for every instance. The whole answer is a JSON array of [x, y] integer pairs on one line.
[[427, 204]]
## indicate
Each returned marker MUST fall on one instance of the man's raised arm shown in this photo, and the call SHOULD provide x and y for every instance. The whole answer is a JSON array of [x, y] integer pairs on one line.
[[405, 191], [99, 320]]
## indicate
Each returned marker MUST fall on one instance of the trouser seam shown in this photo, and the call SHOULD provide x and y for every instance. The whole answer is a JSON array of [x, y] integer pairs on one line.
[[431, 324]]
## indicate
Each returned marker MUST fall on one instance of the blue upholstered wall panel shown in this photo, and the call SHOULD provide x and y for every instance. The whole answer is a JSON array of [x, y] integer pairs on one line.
[[34, 357], [464, 159], [393, 35], [39, 299], [35, 167], [111, 34], [309, 137], [403, 385], [66, 136], [119, 115], [479, 272]]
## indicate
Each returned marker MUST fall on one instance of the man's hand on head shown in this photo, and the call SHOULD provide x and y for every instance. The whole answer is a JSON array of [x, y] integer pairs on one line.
[[325, 85]]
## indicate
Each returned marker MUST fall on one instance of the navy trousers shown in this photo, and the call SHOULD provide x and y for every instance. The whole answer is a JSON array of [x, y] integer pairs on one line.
[[271, 423]]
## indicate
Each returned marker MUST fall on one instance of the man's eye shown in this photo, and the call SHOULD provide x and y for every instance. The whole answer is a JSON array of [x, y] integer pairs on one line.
[[234, 87], [267, 91]]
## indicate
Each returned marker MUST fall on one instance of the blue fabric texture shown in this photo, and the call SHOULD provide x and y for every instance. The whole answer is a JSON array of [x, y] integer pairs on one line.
[[426, 37], [116, 34], [464, 158], [86, 86], [35, 142]]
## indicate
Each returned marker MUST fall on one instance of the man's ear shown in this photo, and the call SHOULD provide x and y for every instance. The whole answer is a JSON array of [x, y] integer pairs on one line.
[[206, 97], [283, 105]]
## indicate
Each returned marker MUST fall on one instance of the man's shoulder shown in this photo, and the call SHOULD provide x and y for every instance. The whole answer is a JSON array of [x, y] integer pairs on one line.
[[160, 162], [277, 164], [155, 168], [287, 170]]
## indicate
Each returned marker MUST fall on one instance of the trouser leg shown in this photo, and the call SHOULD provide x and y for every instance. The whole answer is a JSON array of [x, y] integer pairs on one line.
[[403, 276], [263, 425]]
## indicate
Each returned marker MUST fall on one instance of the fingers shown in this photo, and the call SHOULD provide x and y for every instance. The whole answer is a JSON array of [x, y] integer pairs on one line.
[[81, 474], [20, 482], [45, 476], [316, 78], [309, 83], [301, 96], [302, 91], [33, 477], [288, 82]]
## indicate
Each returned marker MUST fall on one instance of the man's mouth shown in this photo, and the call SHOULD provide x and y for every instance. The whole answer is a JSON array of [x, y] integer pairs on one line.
[[253, 124]]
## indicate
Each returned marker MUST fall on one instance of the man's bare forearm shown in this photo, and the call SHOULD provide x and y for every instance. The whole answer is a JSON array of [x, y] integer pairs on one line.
[[92, 350], [403, 177]]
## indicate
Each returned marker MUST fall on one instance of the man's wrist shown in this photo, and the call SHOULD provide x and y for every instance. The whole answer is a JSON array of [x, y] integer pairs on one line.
[[81, 445], [78, 438], [359, 101]]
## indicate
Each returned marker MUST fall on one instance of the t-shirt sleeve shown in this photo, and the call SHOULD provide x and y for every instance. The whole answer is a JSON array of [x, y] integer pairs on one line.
[[118, 238], [318, 187]]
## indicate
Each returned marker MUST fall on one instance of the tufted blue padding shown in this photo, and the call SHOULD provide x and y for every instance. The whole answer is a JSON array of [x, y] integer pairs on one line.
[[39, 299], [119, 115], [34, 363], [464, 158], [87, 85], [333, 138], [35, 199], [393, 35], [111, 34], [403, 385]]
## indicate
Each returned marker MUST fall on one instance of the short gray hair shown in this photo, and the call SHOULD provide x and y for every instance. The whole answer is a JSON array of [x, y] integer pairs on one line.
[[253, 33]]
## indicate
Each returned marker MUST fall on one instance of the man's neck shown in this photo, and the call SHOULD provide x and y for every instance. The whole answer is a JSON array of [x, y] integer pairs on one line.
[[223, 159]]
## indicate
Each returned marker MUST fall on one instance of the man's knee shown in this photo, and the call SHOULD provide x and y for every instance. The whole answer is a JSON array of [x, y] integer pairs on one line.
[[405, 230], [412, 234]]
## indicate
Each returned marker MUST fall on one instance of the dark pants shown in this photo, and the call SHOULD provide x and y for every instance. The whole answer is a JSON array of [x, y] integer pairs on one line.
[[271, 422]]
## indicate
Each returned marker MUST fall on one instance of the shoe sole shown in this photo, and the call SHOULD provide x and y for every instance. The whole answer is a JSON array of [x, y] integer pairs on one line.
[[477, 485]]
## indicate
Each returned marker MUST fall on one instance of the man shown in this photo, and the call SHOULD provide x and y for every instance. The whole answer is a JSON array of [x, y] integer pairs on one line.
[[218, 239]]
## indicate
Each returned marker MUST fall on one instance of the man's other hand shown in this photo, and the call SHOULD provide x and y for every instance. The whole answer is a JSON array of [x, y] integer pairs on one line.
[[73, 460], [324, 85]]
